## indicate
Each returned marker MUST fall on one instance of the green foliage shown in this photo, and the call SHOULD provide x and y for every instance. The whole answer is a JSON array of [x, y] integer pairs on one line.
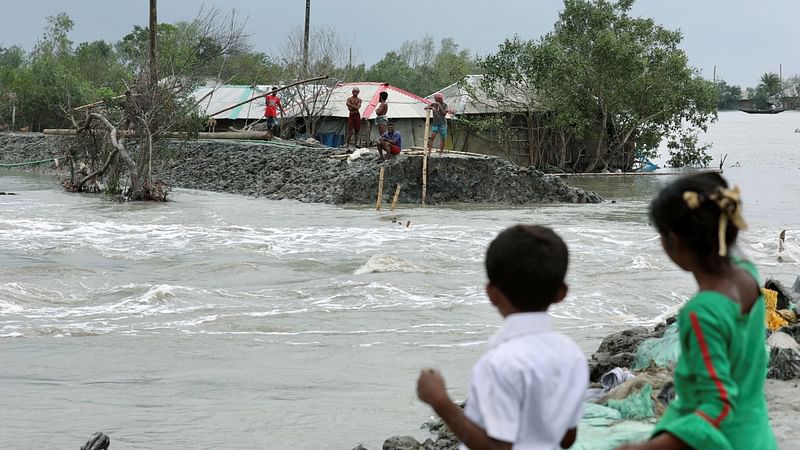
[[608, 77], [684, 151], [419, 68], [728, 96], [770, 84]]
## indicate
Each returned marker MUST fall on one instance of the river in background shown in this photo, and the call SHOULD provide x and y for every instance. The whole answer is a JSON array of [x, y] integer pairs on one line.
[[222, 321]]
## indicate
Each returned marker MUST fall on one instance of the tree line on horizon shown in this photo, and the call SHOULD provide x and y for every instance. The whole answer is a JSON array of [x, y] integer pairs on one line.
[[598, 92], [57, 73], [769, 87]]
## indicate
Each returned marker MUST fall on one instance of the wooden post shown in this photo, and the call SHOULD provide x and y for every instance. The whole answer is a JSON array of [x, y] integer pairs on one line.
[[425, 155], [153, 43], [396, 196], [305, 37], [424, 176], [380, 191], [427, 135]]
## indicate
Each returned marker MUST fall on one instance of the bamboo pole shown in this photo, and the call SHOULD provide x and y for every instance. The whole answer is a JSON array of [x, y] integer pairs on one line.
[[97, 103], [396, 196], [424, 177], [427, 135], [425, 155], [380, 190], [264, 95]]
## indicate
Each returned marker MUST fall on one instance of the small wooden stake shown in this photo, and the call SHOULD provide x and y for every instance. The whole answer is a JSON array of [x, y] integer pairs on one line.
[[396, 196], [380, 190], [424, 176], [426, 142]]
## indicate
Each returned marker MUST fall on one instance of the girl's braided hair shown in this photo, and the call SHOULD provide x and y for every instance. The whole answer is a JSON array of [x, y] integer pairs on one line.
[[704, 213]]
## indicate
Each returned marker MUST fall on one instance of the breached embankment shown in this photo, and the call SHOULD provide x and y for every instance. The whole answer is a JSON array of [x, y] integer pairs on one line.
[[309, 173]]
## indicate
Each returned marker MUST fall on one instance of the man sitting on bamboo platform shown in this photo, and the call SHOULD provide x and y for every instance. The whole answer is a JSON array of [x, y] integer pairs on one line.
[[391, 142]]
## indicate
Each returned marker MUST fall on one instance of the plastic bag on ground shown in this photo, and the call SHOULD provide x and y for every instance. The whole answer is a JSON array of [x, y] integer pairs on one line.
[[774, 320]]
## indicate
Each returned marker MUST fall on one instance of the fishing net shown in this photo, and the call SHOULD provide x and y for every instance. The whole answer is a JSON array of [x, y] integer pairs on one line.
[[638, 405], [602, 428], [661, 352]]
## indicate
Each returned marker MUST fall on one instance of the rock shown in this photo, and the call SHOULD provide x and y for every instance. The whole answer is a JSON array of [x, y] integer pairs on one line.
[[402, 443], [98, 441], [785, 295], [360, 447], [784, 364], [619, 350], [792, 330], [784, 356]]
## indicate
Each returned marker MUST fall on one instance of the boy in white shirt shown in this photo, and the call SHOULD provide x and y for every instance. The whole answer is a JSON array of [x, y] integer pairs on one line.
[[527, 390]]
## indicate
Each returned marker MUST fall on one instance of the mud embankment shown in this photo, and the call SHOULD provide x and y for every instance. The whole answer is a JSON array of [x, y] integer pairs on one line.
[[308, 173]]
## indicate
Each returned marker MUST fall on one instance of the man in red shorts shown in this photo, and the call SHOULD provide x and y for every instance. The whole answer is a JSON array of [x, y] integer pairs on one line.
[[354, 120], [273, 103], [391, 142]]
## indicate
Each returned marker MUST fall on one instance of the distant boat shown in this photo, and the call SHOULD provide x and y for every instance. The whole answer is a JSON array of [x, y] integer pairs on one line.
[[762, 111]]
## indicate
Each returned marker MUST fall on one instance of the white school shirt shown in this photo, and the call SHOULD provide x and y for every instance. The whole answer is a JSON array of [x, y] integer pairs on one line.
[[528, 388]]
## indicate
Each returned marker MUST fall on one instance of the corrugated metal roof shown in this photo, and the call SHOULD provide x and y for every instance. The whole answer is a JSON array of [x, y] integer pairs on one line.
[[402, 104], [217, 98], [459, 99]]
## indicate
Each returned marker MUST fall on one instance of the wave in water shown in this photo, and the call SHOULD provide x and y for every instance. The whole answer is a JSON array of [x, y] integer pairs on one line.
[[387, 263]]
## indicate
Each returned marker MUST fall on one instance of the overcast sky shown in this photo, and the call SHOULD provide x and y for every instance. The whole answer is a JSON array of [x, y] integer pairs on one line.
[[743, 38]]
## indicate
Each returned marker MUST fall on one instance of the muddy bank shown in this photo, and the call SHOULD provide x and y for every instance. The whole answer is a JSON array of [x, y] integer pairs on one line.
[[308, 173]]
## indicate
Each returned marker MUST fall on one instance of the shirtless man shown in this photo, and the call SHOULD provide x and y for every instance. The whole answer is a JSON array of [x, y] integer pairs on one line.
[[380, 113], [354, 120], [439, 123]]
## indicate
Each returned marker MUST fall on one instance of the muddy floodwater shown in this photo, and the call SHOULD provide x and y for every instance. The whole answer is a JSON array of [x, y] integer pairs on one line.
[[223, 321]]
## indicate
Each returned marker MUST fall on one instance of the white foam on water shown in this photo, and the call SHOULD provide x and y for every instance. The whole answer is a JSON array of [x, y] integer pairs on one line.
[[387, 263], [640, 262]]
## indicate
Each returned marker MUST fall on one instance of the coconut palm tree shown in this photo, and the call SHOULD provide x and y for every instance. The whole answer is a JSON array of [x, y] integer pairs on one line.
[[771, 83]]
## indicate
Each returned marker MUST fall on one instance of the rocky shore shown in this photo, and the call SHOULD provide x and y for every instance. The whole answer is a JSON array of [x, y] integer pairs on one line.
[[624, 407], [314, 173]]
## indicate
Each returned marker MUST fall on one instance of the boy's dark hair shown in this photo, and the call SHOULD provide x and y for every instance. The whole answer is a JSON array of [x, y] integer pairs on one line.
[[383, 95], [528, 264], [698, 227]]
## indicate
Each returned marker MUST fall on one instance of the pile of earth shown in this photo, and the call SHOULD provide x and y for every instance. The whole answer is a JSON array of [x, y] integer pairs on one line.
[[314, 173]]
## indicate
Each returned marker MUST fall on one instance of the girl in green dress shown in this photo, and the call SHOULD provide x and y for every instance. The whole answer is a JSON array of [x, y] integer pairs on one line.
[[719, 378]]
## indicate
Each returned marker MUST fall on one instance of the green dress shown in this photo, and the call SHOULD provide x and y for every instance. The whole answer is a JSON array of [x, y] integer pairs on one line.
[[720, 375]]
